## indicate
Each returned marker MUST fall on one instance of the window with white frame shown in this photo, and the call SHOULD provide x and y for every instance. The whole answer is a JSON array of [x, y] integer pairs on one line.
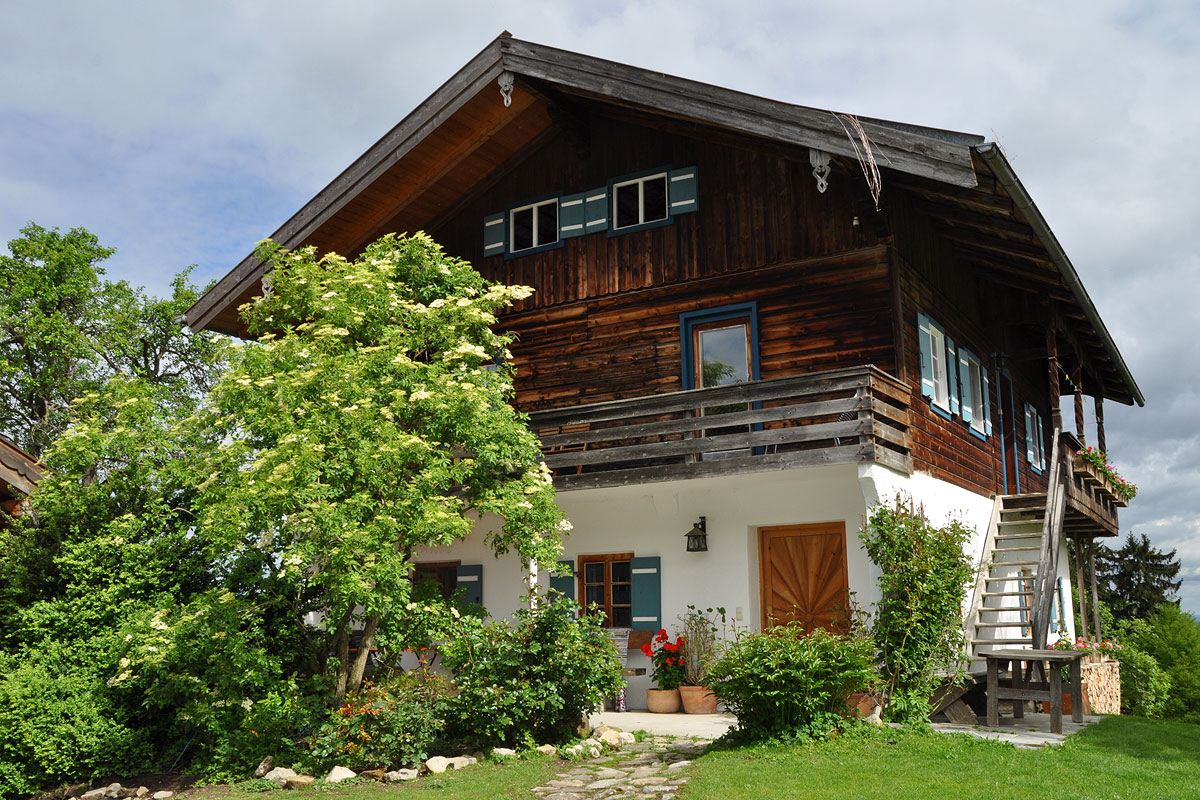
[[639, 201], [1035, 442], [973, 385], [533, 225], [939, 378]]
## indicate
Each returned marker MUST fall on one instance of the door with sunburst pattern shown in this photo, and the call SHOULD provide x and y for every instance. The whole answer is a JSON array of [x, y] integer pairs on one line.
[[802, 570]]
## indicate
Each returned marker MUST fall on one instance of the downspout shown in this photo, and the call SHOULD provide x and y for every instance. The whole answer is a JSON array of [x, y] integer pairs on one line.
[[990, 152]]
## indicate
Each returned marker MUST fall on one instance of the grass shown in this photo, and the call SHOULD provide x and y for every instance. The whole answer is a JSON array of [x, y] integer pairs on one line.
[[1122, 757], [509, 780]]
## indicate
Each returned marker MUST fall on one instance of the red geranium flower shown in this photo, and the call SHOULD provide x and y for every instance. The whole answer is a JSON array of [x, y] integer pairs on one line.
[[646, 649]]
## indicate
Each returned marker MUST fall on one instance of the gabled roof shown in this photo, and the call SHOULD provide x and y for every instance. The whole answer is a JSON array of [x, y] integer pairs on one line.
[[418, 173], [18, 469]]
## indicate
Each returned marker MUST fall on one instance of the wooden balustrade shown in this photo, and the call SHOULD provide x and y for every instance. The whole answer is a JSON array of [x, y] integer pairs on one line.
[[1092, 500], [835, 417]]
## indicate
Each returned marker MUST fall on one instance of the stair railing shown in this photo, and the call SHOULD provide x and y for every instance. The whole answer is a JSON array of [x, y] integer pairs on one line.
[[981, 576], [1052, 532]]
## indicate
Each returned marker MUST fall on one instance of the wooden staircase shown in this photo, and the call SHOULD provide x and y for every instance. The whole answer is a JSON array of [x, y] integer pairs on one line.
[[1014, 590]]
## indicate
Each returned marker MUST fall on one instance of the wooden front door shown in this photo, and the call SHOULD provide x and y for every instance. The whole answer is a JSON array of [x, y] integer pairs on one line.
[[802, 571]]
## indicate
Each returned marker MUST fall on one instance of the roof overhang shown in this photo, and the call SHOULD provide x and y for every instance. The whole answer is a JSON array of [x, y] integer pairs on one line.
[[18, 469]]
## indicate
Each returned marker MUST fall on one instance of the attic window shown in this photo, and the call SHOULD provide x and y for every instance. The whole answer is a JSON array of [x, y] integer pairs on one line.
[[640, 201], [534, 225]]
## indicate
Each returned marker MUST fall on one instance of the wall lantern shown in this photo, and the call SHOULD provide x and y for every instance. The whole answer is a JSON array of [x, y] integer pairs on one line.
[[697, 538]]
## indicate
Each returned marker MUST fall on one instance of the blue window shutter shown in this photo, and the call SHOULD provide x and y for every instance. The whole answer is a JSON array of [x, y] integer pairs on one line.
[[987, 401], [595, 210], [647, 593], [964, 380], [495, 233], [1029, 434], [681, 190], [565, 582], [571, 217], [952, 375], [926, 348], [470, 580]]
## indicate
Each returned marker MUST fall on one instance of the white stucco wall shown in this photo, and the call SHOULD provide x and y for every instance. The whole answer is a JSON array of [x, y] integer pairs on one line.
[[651, 520]]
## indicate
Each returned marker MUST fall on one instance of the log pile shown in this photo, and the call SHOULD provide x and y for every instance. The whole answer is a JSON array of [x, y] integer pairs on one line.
[[1102, 685]]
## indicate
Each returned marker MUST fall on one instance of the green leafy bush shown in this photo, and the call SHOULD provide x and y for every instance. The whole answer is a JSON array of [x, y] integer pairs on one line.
[[1144, 685], [58, 722], [924, 575], [531, 681], [1172, 637], [786, 682], [386, 725]]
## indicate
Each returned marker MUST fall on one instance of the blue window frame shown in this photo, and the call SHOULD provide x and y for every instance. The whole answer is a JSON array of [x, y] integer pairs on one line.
[[697, 329]]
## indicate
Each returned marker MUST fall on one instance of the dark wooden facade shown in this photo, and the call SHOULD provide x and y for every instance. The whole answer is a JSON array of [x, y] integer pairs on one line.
[[837, 280]]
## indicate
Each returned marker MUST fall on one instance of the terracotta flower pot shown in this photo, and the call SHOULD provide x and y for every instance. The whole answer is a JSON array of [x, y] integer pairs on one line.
[[860, 704], [662, 701], [1067, 704], [698, 700]]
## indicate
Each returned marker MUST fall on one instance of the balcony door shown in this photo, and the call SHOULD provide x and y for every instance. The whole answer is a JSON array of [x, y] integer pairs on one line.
[[720, 347]]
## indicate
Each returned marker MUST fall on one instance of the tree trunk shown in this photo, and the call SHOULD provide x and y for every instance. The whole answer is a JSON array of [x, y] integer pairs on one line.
[[341, 644], [364, 652]]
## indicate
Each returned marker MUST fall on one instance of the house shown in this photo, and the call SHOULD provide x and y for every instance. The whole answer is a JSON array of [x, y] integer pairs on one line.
[[19, 474], [752, 322]]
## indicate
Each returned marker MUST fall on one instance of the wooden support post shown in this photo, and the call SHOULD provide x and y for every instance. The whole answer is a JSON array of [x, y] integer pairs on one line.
[[1052, 374], [1079, 432], [1098, 402], [1080, 587], [1095, 592]]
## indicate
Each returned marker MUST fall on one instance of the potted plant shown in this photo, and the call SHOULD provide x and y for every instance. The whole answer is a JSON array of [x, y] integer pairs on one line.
[[701, 650], [667, 675]]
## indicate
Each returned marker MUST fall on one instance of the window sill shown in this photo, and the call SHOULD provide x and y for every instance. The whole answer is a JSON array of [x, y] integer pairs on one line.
[[941, 412], [978, 434], [530, 251]]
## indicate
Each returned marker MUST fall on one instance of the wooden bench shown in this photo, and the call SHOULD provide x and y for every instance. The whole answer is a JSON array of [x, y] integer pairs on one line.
[[1023, 689]]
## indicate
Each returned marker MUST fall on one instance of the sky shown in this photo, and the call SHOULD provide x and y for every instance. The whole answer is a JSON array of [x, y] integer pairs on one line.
[[182, 133]]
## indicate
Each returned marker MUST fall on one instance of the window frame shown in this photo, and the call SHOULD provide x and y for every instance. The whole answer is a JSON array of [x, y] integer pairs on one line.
[[437, 571], [977, 386], [640, 178], [690, 322], [533, 206], [1035, 439], [608, 559]]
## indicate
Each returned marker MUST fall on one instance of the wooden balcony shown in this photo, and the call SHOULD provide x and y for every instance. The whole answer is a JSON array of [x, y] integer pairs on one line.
[[836, 417], [1092, 501]]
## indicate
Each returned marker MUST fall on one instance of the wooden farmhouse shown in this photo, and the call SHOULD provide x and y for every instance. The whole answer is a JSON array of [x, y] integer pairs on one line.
[[753, 321], [19, 474]]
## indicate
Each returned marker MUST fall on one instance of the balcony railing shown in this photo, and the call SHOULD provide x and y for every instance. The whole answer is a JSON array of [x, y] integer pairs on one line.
[[1092, 501], [836, 417]]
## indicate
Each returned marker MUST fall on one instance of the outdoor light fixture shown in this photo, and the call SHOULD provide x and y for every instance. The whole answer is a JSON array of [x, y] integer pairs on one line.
[[697, 538]]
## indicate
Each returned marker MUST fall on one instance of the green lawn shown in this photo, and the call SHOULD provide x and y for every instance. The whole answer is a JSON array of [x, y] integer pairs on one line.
[[1122, 757]]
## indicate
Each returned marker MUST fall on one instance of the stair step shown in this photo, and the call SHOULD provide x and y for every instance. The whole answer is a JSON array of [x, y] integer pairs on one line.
[[1013, 523], [1006, 537], [1023, 500], [1005, 594], [1027, 640], [1012, 624], [1005, 608], [1016, 549], [1015, 564]]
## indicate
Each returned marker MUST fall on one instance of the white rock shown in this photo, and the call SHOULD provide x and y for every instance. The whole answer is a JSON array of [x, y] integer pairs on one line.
[[112, 790], [94, 794], [437, 765], [458, 762], [502, 752], [163, 795], [547, 749], [678, 765], [280, 775], [339, 774], [400, 775], [627, 737], [610, 737]]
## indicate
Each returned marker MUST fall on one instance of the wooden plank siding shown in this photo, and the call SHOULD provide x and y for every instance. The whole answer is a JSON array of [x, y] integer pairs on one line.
[[933, 280]]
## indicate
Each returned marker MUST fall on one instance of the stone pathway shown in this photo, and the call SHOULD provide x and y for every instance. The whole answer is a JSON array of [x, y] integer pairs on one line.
[[653, 768]]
